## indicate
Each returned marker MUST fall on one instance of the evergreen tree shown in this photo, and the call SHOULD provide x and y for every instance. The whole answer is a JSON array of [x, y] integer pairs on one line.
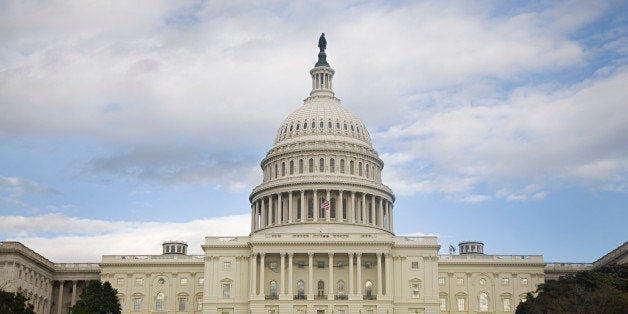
[[603, 290], [15, 303], [98, 298]]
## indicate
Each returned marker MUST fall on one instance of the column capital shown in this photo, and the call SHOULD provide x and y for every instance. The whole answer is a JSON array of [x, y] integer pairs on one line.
[[282, 254], [310, 254]]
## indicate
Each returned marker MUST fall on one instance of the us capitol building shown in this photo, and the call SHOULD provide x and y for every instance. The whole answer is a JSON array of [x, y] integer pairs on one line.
[[321, 242]]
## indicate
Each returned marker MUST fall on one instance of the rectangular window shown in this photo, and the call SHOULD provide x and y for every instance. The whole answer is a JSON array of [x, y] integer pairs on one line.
[[301, 264], [460, 304], [184, 281], [273, 265], [201, 280], [505, 281], [182, 302], [524, 281], [368, 265], [226, 290], [369, 311], [443, 304], [139, 281], [341, 264], [415, 290], [441, 281], [507, 305], [459, 281], [226, 265], [120, 281], [320, 264], [415, 265], [137, 304]]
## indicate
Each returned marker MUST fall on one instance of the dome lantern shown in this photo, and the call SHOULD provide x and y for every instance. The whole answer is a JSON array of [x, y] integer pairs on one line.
[[322, 73]]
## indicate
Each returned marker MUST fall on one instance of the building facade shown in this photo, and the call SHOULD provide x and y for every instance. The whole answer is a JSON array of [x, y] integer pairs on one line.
[[322, 241]]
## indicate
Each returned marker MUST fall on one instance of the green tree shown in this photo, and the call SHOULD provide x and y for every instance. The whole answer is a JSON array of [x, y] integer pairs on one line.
[[604, 290], [98, 298], [15, 303]]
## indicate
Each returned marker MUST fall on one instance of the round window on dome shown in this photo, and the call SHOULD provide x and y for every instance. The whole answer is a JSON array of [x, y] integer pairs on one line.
[[298, 126], [345, 126], [337, 125], [305, 125], [329, 124], [313, 124], [291, 128]]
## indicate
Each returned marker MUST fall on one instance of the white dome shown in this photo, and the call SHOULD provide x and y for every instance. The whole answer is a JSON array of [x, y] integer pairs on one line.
[[322, 117]]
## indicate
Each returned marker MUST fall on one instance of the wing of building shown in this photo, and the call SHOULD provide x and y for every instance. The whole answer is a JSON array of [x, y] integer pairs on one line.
[[321, 241]]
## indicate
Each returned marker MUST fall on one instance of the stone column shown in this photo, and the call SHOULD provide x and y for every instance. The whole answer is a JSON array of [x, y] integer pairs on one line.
[[290, 207], [351, 290], [253, 217], [315, 201], [364, 217], [352, 207], [380, 219], [262, 270], [330, 295], [340, 215], [388, 275], [392, 209], [253, 274], [290, 291], [264, 212], [275, 211], [60, 301], [359, 275], [283, 273], [73, 293], [282, 215], [373, 213], [328, 212], [379, 275], [303, 211], [310, 281]]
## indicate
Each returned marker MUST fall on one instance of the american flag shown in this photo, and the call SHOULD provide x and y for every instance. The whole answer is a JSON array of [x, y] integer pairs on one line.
[[325, 204]]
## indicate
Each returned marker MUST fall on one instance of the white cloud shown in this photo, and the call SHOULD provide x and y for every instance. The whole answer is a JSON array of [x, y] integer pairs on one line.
[[45, 233], [20, 186]]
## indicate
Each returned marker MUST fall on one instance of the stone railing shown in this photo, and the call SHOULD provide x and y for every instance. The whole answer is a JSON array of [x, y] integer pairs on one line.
[[151, 258], [74, 267], [491, 258], [568, 267]]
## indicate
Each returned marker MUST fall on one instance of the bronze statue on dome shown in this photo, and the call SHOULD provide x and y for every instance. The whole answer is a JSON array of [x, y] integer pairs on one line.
[[322, 43]]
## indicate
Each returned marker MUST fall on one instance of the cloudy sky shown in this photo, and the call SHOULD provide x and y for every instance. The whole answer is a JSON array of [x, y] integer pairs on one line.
[[124, 124]]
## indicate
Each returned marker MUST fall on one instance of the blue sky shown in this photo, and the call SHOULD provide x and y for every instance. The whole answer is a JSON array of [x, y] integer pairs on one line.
[[126, 124]]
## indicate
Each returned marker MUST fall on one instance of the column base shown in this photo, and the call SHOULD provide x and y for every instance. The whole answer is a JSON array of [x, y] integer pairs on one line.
[[353, 297]]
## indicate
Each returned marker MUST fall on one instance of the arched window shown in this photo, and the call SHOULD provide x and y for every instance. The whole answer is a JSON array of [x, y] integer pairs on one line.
[[367, 170], [300, 165], [305, 125], [276, 171], [283, 169], [321, 165], [298, 124], [159, 301], [332, 166], [351, 170], [313, 124], [320, 125], [368, 289], [311, 165], [321, 288], [273, 288], [360, 169], [342, 166], [332, 208], [300, 290], [341, 287], [291, 166], [329, 124], [483, 302], [337, 125]]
